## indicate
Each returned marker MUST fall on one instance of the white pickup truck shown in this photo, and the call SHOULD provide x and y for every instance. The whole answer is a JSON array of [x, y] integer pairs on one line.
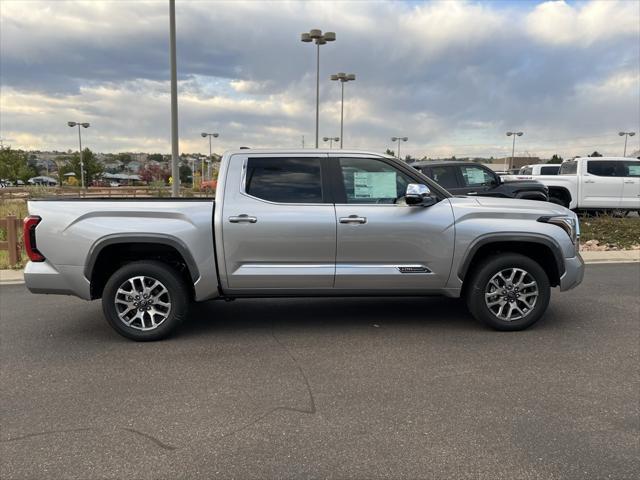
[[594, 183]]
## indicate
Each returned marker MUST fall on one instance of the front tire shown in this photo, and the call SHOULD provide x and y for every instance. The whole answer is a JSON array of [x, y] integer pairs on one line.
[[508, 292], [145, 300]]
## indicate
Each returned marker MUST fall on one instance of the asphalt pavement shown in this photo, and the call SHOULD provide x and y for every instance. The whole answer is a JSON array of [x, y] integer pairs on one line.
[[326, 388]]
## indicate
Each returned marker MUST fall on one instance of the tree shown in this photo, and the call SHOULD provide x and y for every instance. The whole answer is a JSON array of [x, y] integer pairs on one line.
[[14, 165], [124, 157], [185, 174], [155, 157], [390, 152], [556, 159], [595, 154], [92, 168], [154, 172]]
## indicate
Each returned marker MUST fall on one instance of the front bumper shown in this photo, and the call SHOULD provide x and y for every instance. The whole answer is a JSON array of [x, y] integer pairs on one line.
[[573, 274]]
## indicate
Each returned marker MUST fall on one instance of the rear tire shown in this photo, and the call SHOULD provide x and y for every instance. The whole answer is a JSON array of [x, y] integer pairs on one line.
[[506, 302], [145, 300]]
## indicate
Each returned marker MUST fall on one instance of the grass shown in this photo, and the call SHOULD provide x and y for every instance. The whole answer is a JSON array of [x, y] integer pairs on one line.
[[621, 233]]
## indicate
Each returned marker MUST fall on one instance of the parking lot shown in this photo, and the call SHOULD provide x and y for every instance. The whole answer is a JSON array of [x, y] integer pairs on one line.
[[339, 388]]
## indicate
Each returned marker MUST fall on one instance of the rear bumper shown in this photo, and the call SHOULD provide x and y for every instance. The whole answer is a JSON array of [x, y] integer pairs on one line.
[[42, 277], [574, 273]]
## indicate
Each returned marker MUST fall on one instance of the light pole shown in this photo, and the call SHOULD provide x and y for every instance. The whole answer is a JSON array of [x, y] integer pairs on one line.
[[175, 153], [210, 135], [344, 78], [626, 135], [320, 39], [399, 139], [331, 140], [513, 145], [83, 125]]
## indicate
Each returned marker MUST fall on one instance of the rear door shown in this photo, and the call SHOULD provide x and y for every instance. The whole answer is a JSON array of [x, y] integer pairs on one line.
[[602, 184], [382, 243], [279, 226], [631, 184]]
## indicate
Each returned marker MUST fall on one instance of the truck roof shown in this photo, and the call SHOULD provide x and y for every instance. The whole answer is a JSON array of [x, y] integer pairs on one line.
[[289, 151]]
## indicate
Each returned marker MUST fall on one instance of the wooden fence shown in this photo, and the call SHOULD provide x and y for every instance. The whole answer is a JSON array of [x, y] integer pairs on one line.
[[109, 192], [12, 226]]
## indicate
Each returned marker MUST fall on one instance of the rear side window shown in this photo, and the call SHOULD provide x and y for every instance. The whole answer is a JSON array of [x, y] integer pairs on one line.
[[549, 170], [285, 180], [569, 168], [445, 176], [604, 169]]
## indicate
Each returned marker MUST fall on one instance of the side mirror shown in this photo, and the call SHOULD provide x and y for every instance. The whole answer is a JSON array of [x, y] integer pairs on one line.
[[419, 194]]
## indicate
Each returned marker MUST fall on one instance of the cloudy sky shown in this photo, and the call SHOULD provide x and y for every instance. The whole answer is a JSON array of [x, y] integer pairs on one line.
[[452, 76]]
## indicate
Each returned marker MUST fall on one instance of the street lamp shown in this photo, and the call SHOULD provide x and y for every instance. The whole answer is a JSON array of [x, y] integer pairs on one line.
[[344, 78], [399, 139], [210, 135], [83, 125], [320, 39], [626, 135], [331, 140], [513, 146]]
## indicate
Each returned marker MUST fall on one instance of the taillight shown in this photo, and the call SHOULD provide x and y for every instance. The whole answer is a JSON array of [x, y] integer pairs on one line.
[[29, 230]]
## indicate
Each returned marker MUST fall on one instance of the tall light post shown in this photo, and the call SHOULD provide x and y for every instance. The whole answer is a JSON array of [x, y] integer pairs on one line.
[[626, 135], [83, 125], [210, 135], [331, 140], [175, 154], [320, 39], [399, 139], [513, 145], [344, 78]]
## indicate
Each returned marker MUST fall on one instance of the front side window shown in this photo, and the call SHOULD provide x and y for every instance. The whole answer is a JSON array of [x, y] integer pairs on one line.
[[526, 171], [569, 168], [631, 168], [474, 176], [367, 180], [604, 168], [285, 180]]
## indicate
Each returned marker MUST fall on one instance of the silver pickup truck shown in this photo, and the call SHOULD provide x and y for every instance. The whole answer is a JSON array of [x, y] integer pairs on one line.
[[303, 223]]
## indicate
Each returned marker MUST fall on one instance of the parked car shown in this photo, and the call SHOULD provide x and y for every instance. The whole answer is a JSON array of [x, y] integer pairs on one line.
[[299, 223], [466, 178], [595, 183]]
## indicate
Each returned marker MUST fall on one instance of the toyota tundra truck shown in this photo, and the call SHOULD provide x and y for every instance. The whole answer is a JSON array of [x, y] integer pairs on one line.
[[301, 223]]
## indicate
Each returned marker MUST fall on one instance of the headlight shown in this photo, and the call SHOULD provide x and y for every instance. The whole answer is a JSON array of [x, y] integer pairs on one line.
[[568, 224]]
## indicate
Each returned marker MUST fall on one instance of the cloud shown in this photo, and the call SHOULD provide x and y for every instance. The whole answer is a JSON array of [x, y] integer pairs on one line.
[[583, 24], [453, 76]]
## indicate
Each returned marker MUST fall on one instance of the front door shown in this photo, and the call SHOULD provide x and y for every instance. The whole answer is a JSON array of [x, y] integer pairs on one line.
[[279, 226], [383, 244], [631, 184]]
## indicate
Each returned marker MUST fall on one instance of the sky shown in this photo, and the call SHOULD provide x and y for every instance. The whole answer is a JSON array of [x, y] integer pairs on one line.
[[452, 76]]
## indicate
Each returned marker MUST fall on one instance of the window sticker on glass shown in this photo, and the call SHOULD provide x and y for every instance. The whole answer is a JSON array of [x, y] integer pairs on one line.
[[474, 176], [374, 184]]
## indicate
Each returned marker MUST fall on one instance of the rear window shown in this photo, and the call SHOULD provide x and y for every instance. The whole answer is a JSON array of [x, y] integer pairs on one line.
[[569, 168], [285, 180], [550, 170]]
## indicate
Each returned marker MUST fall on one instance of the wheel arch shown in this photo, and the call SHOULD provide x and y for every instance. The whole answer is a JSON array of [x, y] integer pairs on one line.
[[111, 252], [539, 248]]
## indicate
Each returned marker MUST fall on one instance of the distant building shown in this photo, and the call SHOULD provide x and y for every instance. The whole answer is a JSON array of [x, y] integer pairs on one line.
[[502, 164]]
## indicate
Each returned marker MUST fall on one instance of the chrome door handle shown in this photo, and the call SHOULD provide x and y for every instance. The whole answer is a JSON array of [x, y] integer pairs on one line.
[[244, 218], [629, 181], [472, 193], [353, 219], [589, 181]]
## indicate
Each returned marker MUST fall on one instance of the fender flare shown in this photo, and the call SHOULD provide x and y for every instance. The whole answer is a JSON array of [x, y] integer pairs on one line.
[[511, 237], [123, 238]]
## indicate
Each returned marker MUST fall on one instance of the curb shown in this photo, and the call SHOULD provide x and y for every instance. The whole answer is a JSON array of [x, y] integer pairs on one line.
[[16, 277]]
